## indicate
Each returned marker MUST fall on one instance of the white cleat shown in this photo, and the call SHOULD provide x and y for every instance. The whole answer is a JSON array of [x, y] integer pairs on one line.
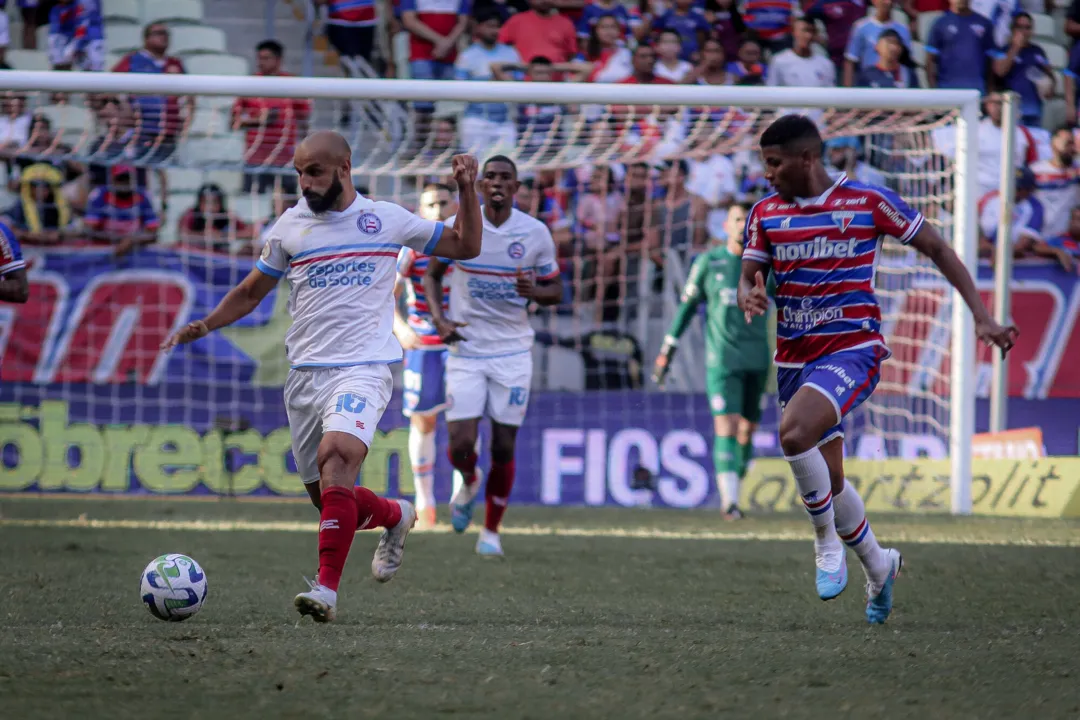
[[388, 555], [489, 544], [463, 501], [319, 602]]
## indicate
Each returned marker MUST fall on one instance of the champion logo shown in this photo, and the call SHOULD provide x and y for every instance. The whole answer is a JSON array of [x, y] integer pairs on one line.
[[328, 525]]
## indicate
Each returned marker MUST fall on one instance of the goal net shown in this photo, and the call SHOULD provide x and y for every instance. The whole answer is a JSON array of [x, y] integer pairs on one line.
[[140, 200]]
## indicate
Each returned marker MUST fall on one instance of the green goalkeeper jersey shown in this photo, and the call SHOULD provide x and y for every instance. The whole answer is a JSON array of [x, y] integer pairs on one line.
[[731, 343]]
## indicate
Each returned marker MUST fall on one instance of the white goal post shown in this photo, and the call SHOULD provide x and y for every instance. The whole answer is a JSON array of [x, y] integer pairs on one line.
[[854, 109]]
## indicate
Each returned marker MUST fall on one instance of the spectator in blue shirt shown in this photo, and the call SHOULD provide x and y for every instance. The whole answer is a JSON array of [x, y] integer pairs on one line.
[[597, 9], [689, 22], [959, 49], [76, 35], [893, 67], [486, 125], [861, 50], [1022, 67]]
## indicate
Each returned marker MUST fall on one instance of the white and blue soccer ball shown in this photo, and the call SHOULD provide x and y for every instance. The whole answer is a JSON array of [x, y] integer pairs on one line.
[[173, 587]]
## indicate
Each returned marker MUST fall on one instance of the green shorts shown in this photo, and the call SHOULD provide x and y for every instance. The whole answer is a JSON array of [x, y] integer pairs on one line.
[[736, 393]]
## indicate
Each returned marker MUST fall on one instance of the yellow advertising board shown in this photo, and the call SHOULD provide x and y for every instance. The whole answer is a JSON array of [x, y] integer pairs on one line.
[[1042, 487]]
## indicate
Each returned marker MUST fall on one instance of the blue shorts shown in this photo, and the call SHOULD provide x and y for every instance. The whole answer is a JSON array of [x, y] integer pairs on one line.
[[424, 378], [846, 378]]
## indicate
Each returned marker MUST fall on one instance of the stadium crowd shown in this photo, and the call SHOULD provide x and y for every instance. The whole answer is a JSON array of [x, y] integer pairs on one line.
[[610, 222]]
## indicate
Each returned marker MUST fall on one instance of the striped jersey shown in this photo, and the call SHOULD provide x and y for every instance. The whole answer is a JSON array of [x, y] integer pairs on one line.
[[411, 267], [483, 292], [11, 257], [341, 267], [354, 13], [823, 252], [1058, 189], [770, 19]]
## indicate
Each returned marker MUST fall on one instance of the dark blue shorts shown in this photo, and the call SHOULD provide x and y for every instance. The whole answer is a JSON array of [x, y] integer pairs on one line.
[[846, 378], [424, 378]]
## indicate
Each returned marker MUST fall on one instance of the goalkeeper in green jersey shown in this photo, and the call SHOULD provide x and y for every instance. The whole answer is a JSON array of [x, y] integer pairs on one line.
[[736, 356]]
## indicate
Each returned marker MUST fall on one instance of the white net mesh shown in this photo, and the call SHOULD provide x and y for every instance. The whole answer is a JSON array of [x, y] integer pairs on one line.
[[182, 189]]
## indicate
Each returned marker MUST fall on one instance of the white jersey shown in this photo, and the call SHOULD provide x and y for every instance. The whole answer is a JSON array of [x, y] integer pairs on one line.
[[342, 268], [483, 292]]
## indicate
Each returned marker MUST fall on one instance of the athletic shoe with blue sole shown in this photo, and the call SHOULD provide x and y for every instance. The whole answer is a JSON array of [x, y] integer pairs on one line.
[[879, 604], [831, 584], [463, 501], [489, 545]]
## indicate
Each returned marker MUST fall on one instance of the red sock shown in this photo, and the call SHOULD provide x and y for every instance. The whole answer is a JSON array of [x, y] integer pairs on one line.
[[373, 511], [497, 492], [336, 529], [465, 464]]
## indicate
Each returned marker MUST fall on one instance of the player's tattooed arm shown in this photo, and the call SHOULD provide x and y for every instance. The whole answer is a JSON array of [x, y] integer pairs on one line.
[[14, 287], [928, 242], [433, 288], [237, 303]]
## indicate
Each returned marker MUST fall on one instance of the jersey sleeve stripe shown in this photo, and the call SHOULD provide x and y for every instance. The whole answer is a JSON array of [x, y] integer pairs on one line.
[[550, 276], [756, 255], [12, 267], [429, 249], [912, 230], [354, 246], [267, 270]]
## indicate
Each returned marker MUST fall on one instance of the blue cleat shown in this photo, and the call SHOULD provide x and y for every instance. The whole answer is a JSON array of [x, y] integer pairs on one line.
[[463, 502], [879, 598], [489, 545], [831, 584]]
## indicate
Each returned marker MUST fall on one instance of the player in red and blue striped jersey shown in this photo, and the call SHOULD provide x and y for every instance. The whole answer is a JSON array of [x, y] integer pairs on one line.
[[425, 355], [14, 287], [821, 240]]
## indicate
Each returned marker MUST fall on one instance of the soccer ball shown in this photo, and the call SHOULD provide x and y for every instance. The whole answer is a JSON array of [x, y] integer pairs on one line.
[[173, 587]]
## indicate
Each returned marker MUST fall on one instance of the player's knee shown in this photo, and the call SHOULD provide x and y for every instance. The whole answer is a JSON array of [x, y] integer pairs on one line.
[[795, 436], [502, 452], [338, 465], [461, 447]]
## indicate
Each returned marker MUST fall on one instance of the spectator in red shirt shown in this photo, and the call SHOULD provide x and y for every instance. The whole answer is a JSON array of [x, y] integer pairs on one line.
[[434, 26], [643, 63], [273, 125], [159, 119], [541, 32]]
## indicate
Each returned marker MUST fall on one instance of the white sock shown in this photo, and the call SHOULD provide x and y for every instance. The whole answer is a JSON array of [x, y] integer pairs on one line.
[[728, 485], [854, 530], [812, 477], [422, 457]]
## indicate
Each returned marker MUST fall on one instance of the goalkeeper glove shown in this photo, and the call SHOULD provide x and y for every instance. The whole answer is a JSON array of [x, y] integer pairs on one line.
[[663, 360]]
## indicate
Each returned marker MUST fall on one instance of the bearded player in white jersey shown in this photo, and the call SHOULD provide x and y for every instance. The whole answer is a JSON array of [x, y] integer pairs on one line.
[[489, 370], [338, 249]]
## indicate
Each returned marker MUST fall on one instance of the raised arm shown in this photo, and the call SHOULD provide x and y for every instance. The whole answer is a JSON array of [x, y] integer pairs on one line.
[[239, 301], [462, 242], [928, 242]]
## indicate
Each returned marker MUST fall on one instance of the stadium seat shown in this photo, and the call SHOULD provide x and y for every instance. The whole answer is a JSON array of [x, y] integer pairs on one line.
[[217, 65], [1057, 55], [1044, 28], [183, 180], [228, 180], [209, 122], [215, 152], [250, 207], [122, 10], [68, 118], [926, 21], [111, 59], [123, 38], [918, 53], [28, 59], [172, 11], [1053, 115], [195, 39]]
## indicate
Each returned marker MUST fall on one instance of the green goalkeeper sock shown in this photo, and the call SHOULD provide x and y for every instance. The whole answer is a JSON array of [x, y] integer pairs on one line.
[[746, 454], [726, 456]]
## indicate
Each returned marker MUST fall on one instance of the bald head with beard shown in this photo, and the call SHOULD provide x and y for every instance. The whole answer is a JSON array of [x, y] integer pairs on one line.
[[324, 164]]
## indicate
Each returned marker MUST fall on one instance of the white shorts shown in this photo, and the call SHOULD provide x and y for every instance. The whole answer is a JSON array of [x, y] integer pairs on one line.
[[341, 399], [497, 387]]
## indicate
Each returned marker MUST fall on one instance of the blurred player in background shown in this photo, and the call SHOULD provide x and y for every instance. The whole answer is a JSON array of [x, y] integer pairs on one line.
[[14, 287], [736, 356], [821, 240], [489, 370], [425, 355], [337, 250]]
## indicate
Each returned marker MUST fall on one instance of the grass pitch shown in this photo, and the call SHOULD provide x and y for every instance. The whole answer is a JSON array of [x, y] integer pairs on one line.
[[594, 614]]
